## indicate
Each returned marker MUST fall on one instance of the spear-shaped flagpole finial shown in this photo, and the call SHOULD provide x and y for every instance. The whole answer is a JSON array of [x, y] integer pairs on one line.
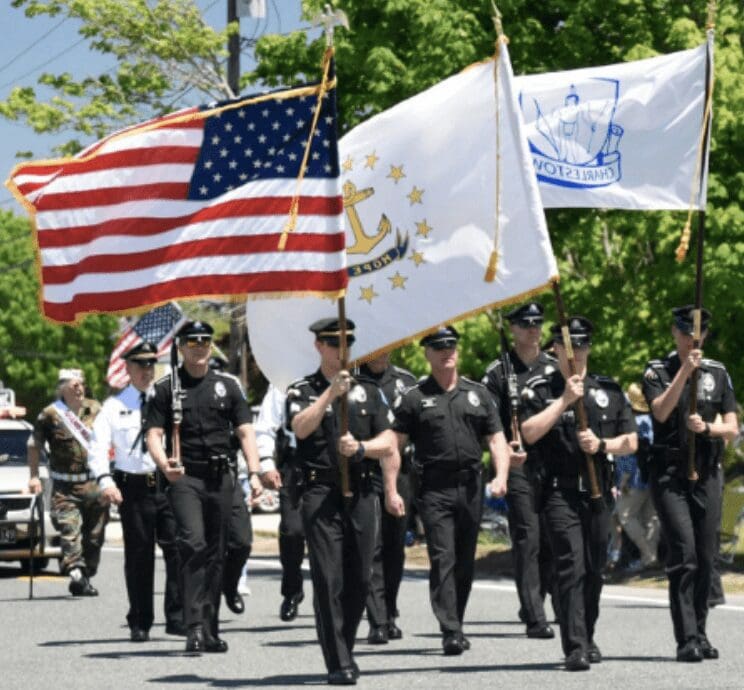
[[328, 19], [497, 20], [710, 21]]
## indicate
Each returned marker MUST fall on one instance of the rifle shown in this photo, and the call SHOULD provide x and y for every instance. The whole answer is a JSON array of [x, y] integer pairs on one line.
[[511, 385], [176, 405], [595, 495], [343, 461]]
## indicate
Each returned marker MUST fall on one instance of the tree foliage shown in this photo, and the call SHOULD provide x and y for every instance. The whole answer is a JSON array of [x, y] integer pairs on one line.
[[617, 267], [33, 350]]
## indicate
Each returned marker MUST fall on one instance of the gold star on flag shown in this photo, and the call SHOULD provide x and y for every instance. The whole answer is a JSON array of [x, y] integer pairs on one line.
[[367, 293], [396, 173], [348, 164], [398, 280], [371, 160], [415, 195], [423, 228], [417, 258]]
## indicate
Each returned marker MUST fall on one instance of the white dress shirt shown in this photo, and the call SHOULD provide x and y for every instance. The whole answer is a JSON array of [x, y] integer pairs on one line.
[[270, 420], [115, 430]]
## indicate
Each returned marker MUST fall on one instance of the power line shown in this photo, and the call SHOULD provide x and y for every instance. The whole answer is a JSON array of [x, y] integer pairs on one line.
[[43, 64], [33, 45]]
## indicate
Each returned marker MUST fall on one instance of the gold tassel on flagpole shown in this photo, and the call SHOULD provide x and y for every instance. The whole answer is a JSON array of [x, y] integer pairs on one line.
[[493, 260]]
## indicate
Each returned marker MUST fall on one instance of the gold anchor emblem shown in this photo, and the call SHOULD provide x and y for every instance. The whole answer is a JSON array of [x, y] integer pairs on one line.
[[363, 243]]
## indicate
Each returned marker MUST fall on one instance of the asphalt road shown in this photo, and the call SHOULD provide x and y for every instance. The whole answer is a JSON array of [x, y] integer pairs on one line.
[[55, 641]]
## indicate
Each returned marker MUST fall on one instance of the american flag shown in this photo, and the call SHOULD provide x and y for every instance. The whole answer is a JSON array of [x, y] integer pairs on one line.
[[191, 204], [157, 326]]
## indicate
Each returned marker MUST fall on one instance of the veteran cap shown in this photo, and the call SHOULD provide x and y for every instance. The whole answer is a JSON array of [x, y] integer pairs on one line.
[[142, 352], [442, 339], [329, 331], [69, 374], [529, 314], [579, 328], [684, 319], [195, 330]]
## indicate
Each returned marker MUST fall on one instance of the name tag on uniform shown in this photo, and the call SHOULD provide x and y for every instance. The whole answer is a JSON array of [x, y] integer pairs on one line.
[[427, 403]]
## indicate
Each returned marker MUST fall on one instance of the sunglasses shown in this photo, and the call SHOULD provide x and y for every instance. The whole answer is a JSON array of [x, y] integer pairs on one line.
[[198, 342], [529, 324], [144, 363]]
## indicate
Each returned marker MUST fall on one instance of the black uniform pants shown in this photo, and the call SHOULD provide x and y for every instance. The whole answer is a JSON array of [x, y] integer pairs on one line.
[[578, 538], [689, 522], [147, 519], [341, 542], [451, 517], [239, 541], [387, 565], [291, 532], [202, 510], [530, 549]]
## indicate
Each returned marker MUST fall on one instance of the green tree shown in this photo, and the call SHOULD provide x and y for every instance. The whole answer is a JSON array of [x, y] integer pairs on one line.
[[31, 349]]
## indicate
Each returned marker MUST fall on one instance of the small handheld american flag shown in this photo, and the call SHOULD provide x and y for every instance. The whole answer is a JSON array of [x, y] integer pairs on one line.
[[157, 326]]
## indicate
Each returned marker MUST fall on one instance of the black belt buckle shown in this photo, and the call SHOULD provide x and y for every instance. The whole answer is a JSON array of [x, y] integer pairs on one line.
[[582, 486], [312, 476], [150, 480]]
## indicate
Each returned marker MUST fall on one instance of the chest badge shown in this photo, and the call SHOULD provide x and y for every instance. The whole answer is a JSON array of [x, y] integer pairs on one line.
[[358, 394], [219, 389], [549, 369], [600, 397], [399, 385], [473, 399], [709, 383]]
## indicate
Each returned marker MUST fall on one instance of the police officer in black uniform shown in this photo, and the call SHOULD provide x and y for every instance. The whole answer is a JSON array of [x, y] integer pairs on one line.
[[340, 531], [690, 513], [448, 417], [387, 567], [578, 527], [530, 547], [202, 483]]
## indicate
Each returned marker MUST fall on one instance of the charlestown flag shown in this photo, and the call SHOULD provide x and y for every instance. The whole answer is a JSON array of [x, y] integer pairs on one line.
[[619, 136], [191, 204], [424, 217], [157, 326]]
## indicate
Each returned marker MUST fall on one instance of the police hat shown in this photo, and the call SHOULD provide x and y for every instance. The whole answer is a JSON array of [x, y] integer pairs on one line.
[[683, 319], [329, 331], [530, 314], [142, 352], [580, 329], [442, 339], [195, 330]]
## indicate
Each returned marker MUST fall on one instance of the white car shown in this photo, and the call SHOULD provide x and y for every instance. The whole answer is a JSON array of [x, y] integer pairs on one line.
[[19, 510]]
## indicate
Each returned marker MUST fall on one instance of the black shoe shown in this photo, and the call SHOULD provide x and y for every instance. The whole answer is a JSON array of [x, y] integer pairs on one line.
[[214, 644], [378, 634], [195, 640], [394, 632], [139, 635], [288, 609], [690, 652], [176, 629], [577, 661], [708, 650], [540, 631], [593, 654], [355, 670], [234, 601], [452, 644], [344, 676], [82, 588], [522, 616]]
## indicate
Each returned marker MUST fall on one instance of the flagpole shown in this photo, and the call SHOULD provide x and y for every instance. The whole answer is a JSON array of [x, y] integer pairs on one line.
[[328, 19], [595, 495], [692, 474]]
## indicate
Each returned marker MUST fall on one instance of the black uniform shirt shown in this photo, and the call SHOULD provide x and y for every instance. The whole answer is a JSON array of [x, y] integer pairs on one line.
[[608, 415], [213, 407], [369, 415], [495, 381], [715, 395], [447, 427]]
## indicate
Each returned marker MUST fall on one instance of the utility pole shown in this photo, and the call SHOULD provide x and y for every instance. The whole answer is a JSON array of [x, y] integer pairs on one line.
[[238, 357]]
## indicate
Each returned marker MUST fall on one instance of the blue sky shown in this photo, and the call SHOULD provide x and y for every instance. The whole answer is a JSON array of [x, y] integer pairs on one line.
[[59, 48]]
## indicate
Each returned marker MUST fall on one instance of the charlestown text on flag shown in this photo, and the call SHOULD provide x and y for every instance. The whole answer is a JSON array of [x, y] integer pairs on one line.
[[191, 204], [157, 326]]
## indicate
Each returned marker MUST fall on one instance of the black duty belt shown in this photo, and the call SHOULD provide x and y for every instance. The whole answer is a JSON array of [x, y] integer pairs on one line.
[[206, 469], [440, 478], [332, 475], [136, 480], [570, 482]]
